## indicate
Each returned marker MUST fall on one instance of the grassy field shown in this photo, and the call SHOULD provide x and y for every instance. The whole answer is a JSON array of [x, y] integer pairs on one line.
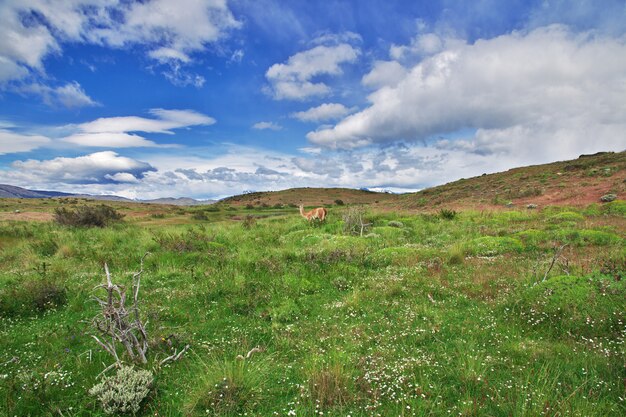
[[510, 313]]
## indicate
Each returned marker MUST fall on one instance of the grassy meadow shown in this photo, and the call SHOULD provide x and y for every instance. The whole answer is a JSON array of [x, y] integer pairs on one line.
[[515, 312]]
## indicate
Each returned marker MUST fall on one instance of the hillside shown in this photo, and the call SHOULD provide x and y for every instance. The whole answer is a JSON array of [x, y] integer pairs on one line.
[[577, 182], [309, 197]]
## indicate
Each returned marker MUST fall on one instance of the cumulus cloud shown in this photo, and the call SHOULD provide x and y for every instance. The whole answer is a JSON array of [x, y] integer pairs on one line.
[[384, 74], [99, 167], [267, 126], [549, 92], [12, 142], [323, 112], [170, 33], [294, 79], [114, 132]]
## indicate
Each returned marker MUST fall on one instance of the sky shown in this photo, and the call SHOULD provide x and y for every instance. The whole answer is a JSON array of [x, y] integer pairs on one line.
[[211, 98]]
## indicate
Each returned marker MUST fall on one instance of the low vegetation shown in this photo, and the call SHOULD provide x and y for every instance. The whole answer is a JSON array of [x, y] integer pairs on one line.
[[87, 216], [451, 312]]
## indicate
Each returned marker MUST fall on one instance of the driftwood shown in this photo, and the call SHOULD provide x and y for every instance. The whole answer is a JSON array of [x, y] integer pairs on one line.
[[119, 324]]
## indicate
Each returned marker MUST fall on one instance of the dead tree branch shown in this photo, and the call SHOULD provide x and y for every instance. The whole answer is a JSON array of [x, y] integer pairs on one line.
[[557, 255], [118, 323]]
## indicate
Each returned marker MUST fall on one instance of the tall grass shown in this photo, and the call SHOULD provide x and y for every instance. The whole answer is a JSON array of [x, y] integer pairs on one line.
[[419, 316]]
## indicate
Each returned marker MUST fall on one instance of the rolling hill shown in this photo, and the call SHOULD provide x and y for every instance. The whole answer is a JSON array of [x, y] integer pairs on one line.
[[577, 182], [309, 197]]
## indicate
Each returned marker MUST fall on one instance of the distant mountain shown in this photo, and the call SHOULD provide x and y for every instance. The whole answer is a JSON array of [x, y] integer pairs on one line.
[[11, 191]]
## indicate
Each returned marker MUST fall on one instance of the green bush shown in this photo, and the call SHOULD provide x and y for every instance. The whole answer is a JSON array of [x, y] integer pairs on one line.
[[199, 215], [447, 214], [249, 222], [617, 207], [339, 202], [87, 216], [492, 246], [587, 237], [569, 216], [588, 306], [45, 247], [123, 392], [31, 296], [533, 239], [188, 241], [394, 223]]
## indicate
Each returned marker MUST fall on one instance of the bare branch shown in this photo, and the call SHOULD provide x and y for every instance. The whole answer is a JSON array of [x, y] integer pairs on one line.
[[557, 254], [173, 358]]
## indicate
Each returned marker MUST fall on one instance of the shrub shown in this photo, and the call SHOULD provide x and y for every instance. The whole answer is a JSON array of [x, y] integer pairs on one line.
[[589, 306], [249, 206], [87, 216], [533, 239], [339, 202], [492, 246], [395, 223], [587, 237], [249, 222], [617, 207], [230, 387], [123, 392], [189, 241], [456, 255], [45, 247], [447, 214], [199, 215], [329, 387], [607, 198], [567, 216], [31, 296]]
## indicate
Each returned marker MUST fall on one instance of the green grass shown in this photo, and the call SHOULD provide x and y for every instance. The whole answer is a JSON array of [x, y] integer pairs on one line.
[[421, 316]]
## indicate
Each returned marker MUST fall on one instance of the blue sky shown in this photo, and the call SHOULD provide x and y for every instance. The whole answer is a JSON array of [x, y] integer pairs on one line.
[[213, 98]]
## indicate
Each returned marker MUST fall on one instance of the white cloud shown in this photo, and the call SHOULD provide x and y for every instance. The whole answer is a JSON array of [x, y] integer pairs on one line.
[[294, 79], [34, 29], [384, 73], [11, 142], [122, 177], [164, 55], [109, 140], [267, 126], [99, 167], [548, 94], [70, 95], [422, 44], [184, 27], [165, 121], [323, 112]]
